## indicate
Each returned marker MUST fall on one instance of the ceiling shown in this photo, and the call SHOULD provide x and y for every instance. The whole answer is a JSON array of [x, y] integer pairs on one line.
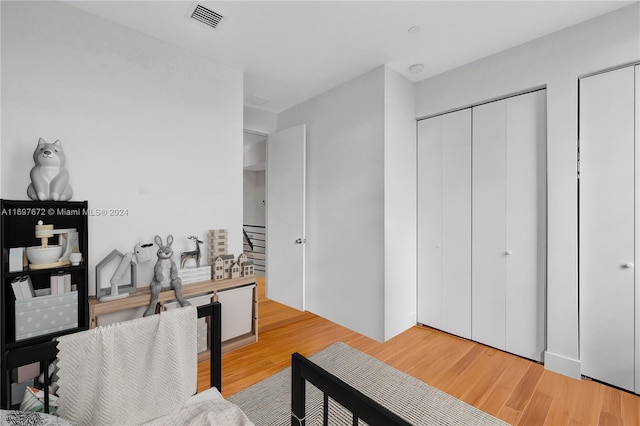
[[291, 51]]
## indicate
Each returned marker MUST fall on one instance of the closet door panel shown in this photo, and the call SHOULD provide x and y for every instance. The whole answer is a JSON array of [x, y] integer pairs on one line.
[[525, 224], [444, 222], [456, 223], [637, 216], [430, 222], [607, 227], [488, 224]]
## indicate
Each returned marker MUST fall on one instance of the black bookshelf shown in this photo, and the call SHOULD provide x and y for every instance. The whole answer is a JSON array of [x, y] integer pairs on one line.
[[17, 229]]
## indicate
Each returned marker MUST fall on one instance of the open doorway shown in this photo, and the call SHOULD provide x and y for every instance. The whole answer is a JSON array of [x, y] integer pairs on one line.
[[254, 195]]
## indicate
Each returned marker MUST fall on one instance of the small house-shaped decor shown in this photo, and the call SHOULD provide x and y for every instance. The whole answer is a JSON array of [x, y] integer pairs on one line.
[[242, 258], [235, 270], [247, 268], [228, 260], [218, 269]]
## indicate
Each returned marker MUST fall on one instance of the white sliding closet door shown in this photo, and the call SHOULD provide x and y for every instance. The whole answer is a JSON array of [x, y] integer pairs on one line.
[[637, 247], [482, 223], [444, 222], [607, 228], [509, 224], [526, 207], [430, 222], [489, 219]]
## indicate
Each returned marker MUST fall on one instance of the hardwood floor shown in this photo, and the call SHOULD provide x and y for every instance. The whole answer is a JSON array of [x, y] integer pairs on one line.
[[509, 387]]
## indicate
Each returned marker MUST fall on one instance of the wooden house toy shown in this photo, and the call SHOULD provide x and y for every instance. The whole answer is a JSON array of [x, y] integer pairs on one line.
[[234, 270], [248, 268], [218, 269]]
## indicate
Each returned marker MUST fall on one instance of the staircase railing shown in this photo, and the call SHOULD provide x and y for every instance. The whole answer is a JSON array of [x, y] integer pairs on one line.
[[254, 246]]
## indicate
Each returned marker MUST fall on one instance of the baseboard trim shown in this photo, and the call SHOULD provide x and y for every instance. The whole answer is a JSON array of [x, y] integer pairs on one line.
[[563, 365]]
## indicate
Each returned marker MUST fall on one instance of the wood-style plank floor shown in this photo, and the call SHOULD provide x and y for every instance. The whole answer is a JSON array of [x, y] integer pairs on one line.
[[509, 387]]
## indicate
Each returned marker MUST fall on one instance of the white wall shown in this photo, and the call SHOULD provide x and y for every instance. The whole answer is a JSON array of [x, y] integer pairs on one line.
[[1, 180], [345, 202], [556, 61], [134, 116], [361, 203], [260, 121], [400, 204]]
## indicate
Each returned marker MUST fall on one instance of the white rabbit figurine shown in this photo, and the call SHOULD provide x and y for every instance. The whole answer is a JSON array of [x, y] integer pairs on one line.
[[165, 274]]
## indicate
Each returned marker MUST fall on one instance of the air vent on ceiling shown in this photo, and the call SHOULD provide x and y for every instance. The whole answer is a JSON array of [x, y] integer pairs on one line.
[[207, 16]]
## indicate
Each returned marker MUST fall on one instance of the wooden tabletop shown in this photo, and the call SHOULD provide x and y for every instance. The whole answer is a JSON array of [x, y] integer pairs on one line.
[[142, 296]]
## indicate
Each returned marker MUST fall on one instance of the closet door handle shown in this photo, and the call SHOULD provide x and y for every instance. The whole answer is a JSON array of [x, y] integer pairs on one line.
[[628, 265]]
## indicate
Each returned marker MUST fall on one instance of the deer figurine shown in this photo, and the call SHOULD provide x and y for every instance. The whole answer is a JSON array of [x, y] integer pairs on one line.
[[193, 254]]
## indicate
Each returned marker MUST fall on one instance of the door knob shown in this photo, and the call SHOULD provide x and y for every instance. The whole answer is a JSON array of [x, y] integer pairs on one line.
[[438, 246], [628, 265], [301, 241], [508, 253]]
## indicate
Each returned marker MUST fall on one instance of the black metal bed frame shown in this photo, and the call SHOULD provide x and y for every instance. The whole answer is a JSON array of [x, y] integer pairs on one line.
[[46, 353], [360, 405]]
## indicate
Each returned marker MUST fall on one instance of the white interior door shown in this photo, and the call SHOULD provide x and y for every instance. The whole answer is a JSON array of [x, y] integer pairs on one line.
[[430, 222], [285, 182], [456, 223], [488, 224], [509, 224], [526, 225], [607, 227], [637, 247], [444, 222]]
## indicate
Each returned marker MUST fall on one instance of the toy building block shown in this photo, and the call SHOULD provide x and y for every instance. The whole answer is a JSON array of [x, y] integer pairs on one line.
[[218, 248], [218, 234], [216, 243]]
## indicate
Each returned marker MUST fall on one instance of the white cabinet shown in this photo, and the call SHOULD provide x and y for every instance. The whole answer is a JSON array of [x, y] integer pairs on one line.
[[237, 318], [444, 222], [509, 224], [609, 221], [482, 223]]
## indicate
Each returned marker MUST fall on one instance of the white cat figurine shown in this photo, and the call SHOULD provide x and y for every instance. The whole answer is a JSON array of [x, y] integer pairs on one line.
[[49, 177]]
